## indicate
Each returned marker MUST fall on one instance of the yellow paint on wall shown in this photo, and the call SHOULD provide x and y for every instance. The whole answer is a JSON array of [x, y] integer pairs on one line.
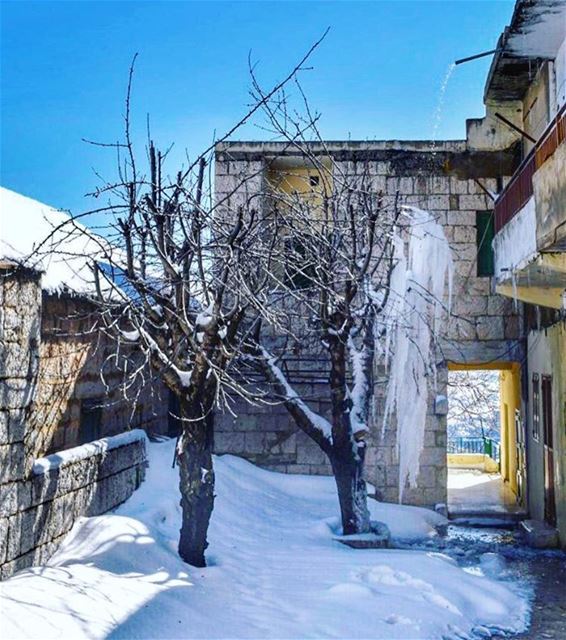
[[543, 296], [472, 461], [301, 181], [510, 394]]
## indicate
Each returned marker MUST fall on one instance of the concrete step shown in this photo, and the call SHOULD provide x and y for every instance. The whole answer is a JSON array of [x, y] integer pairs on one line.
[[539, 534], [486, 518], [379, 538]]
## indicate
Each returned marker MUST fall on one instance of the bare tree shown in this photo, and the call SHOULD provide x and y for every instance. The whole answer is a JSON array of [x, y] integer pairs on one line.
[[178, 283], [474, 403], [358, 292], [184, 283]]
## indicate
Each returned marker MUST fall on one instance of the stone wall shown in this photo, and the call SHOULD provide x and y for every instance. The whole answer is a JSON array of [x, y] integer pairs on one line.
[[76, 367], [38, 510], [41, 499], [20, 320], [440, 177]]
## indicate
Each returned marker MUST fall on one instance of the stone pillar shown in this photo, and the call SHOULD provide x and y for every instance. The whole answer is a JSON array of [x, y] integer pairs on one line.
[[20, 323]]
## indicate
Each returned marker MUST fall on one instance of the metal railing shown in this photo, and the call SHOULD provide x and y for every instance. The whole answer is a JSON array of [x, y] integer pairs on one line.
[[479, 445], [520, 188]]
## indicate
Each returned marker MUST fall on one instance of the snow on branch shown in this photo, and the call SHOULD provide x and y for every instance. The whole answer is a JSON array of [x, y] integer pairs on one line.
[[313, 423], [359, 391]]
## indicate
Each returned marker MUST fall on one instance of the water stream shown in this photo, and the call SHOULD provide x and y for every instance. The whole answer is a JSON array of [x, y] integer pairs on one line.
[[438, 112]]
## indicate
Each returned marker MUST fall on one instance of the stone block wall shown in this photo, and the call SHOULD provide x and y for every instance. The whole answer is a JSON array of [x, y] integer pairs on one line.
[[20, 321], [441, 177], [265, 435], [40, 499], [72, 356], [38, 510]]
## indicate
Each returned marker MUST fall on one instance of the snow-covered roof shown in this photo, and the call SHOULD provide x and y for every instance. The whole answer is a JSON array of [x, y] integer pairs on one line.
[[42, 237], [536, 32]]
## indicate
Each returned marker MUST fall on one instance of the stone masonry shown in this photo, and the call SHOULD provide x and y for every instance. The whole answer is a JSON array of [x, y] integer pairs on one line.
[[71, 359], [440, 177], [37, 507]]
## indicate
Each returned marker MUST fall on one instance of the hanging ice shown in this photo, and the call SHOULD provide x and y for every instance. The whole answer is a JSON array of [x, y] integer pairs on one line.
[[417, 289]]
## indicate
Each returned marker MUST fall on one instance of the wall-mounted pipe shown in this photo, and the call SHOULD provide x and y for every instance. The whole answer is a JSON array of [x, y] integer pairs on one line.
[[478, 55]]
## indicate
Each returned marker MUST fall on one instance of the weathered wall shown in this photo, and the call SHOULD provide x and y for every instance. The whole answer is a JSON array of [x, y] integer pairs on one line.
[[536, 106], [546, 357], [20, 319], [38, 510], [486, 326], [72, 356], [549, 184], [39, 505]]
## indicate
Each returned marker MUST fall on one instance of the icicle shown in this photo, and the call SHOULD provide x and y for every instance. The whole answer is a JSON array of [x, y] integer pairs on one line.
[[418, 286]]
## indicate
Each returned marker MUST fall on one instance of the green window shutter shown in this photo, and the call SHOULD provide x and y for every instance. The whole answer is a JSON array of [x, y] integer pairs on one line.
[[484, 237]]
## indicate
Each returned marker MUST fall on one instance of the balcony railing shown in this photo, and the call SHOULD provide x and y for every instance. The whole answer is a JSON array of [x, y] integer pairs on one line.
[[480, 445], [517, 193]]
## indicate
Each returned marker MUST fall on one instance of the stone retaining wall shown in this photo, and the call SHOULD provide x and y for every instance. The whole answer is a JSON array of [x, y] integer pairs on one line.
[[38, 511]]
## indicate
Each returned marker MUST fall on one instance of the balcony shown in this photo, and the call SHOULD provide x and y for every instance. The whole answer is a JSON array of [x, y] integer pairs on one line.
[[530, 224], [520, 189]]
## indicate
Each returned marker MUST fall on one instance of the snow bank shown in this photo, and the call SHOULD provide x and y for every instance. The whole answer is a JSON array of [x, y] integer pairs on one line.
[[69, 456], [43, 238], [275, 571]]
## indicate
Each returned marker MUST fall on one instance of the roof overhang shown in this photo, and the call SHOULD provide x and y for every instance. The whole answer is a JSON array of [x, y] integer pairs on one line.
[[536, 32]]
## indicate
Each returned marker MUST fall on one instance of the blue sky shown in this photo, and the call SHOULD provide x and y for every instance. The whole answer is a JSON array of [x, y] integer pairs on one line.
[[376, 76]]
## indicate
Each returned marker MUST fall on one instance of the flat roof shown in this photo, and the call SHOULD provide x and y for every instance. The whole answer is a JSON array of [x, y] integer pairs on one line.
[[264, 147]]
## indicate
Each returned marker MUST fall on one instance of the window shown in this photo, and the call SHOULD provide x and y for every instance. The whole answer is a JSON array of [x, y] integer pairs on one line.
[[299, 273], [91, 417], [546, 397], [484, 237], [536, 407]]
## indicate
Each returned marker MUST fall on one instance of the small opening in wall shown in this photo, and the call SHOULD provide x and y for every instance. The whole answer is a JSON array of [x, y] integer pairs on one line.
[[90, 420]]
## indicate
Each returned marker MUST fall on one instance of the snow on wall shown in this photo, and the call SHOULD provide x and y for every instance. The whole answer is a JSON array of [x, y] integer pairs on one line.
[[43, 238], [38, 510], [515, 244], [84, 451]]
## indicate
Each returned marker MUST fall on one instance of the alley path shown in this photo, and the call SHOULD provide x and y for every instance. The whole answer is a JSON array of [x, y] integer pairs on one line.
[[549, 607], [501, 553]]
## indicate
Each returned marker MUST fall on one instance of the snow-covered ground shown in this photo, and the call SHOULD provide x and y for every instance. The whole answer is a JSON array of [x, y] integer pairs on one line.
[[275, 571]]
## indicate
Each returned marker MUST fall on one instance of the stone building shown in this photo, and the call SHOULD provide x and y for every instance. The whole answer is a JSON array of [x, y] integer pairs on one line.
[[53, 399], [452, 180], [528, 80], [501, 197]]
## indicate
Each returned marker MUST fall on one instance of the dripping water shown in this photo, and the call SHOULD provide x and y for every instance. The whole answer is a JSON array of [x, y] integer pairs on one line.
[[437, 117]]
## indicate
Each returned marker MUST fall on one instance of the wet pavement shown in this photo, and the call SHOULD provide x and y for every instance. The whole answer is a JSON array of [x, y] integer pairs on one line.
[[549, 607], [539, 575]]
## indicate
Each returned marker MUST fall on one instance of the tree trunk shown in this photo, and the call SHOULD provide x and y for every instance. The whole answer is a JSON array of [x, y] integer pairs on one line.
[[352, 492], [347, 465], [196, 480]]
